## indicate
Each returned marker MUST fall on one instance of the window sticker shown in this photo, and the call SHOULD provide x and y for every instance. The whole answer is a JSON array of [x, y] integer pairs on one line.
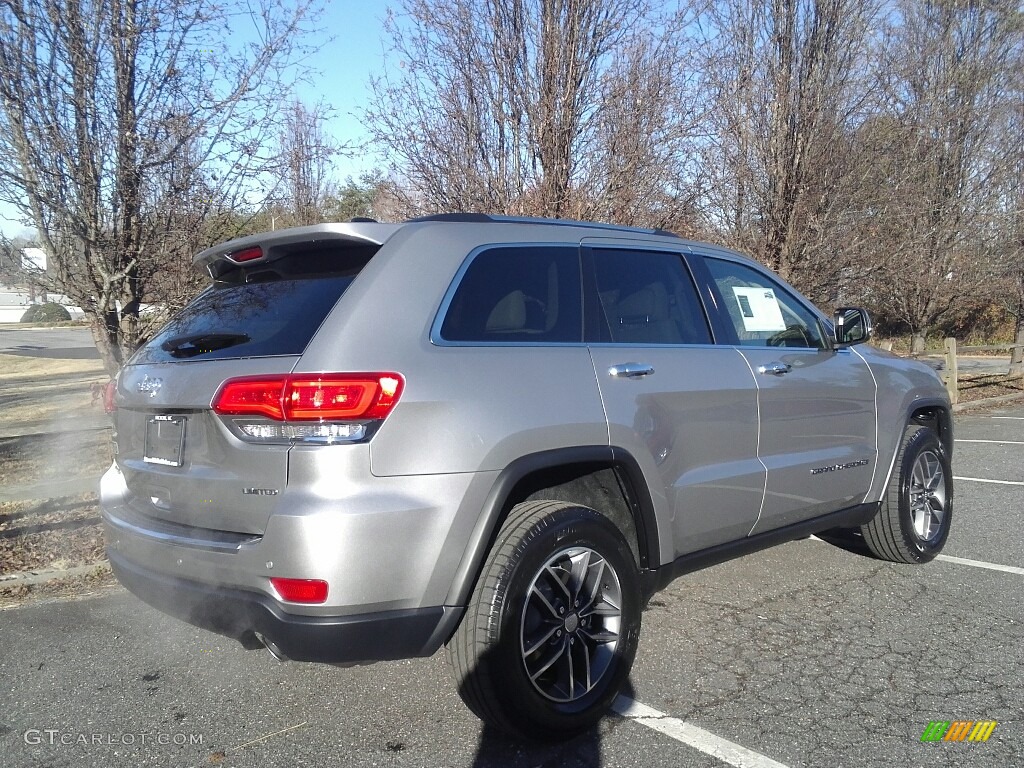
[[759, 309]]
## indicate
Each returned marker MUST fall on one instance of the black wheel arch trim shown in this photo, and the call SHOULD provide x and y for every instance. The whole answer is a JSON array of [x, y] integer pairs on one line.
[[944, 417], [498, 503]]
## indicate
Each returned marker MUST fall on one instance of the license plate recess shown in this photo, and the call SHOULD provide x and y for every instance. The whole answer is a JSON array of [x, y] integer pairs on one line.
[[165, 440]]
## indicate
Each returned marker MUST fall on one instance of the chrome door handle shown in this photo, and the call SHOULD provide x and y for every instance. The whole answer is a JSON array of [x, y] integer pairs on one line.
[[631, 370], [775, 368]]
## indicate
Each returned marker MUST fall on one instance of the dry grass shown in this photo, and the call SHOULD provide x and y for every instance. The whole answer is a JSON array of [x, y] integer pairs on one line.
[[14, 367], [59, 533], [37, 389], [95, 582], [52, 535], [39, 395], [49, 458]]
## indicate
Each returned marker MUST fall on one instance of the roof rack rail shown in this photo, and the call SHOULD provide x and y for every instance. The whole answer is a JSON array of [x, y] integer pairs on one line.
[[465, 217], [480, 218]]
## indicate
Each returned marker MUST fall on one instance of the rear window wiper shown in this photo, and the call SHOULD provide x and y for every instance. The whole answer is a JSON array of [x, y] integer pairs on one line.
[[200, 343]]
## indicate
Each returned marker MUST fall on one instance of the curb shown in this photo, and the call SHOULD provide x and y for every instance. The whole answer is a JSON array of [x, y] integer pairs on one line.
[[32, 578]]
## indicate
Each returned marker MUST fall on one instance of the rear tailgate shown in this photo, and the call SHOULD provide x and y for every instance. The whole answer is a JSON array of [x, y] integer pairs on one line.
[[181, 462]]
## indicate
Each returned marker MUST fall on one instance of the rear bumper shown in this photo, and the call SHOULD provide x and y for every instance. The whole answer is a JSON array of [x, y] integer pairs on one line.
[[242, 615]]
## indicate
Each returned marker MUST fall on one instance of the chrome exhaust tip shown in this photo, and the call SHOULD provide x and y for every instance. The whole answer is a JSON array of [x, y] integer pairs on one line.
[[271, 646]]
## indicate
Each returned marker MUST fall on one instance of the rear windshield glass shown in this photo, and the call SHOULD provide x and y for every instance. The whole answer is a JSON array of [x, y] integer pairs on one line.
[[260, 311]]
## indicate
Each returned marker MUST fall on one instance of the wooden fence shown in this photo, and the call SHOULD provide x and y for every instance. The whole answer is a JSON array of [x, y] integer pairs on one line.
[[950, 373]]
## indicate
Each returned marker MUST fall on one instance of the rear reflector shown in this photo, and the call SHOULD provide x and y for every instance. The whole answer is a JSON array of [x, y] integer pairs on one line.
[[311, 397], [301, 590]]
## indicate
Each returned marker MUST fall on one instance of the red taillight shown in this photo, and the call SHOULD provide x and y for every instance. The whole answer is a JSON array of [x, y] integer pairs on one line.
[[309, 398], [247, 254], [305, 397], [251, 397], [301, 590], [109, 391]]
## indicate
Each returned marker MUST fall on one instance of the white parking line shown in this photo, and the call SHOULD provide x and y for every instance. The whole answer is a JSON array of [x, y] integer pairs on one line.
[[692, 736], [1000, 442], [965, 561], [981, 564], [983, 480], [1019, 418]]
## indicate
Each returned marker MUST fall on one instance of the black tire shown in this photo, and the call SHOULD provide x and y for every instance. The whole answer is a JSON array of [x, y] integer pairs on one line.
[[506, 617], [914, 520]]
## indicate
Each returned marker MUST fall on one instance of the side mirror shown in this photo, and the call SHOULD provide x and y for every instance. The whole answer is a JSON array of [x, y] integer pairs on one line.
[[852, 326]]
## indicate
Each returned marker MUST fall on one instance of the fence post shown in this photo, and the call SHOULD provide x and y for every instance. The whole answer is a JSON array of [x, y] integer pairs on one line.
[[1017, 356], [951, 370]]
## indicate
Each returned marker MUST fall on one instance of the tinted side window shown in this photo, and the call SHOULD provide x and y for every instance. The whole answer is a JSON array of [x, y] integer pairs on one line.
[[647, 297], [518, 294], [762, 311]]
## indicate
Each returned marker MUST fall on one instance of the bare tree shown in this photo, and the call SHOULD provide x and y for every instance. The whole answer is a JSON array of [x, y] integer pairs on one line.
[[305, 153], [515, 106], [784, 81], [10, 262], [641, 167], [100, 97], [943, 70], [1010, 285]]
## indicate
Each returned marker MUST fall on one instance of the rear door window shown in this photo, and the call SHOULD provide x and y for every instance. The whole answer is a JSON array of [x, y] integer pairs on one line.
[[646, 297], [518, 294]]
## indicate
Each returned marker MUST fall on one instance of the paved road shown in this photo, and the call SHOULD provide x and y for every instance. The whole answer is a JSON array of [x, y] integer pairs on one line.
[[806, 654], [74, 343]]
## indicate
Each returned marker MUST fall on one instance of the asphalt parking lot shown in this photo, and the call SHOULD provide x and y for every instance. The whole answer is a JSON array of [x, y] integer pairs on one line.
[[64, 343], [803, 655]]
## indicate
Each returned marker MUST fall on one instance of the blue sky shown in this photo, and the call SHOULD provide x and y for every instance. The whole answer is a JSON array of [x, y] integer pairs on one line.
[[343, 67]]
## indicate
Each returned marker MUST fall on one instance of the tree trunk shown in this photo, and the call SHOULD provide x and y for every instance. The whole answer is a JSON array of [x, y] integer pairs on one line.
[[105, 338], [1017, 355], [917, 341]]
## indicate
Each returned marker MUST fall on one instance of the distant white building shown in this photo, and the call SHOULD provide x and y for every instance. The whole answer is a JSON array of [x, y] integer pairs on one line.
[[13, 304], [34, 258], [14, 301]]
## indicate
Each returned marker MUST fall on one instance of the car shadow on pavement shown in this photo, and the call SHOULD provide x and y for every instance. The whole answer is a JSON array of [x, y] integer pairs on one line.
[[496, 749], [849, 540]]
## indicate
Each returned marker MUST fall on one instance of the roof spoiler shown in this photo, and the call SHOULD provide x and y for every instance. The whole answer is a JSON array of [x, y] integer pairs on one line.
[[260, 246]]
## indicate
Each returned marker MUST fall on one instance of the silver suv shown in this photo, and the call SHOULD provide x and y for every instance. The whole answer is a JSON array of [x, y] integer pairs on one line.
[[365, 441]]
